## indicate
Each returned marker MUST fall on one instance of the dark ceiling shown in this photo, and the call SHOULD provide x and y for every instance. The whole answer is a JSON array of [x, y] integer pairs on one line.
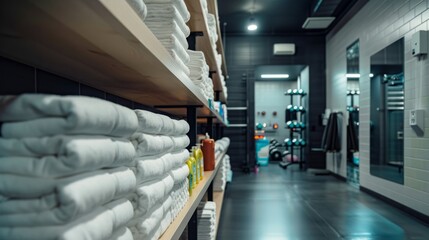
[[278, 16]]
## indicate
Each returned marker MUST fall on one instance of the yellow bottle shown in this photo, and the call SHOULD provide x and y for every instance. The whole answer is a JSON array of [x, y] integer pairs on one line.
[[194, 171], [198, 170], [200, 160], [190, 176]]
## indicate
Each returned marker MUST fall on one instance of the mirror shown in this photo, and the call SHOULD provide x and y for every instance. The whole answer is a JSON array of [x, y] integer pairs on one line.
[[352, 56], [387, 113]]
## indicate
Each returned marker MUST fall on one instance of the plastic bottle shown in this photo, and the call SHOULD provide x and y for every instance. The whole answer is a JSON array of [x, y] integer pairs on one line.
[[194, 171], [208, 149], [197, 165], [190, 176], [199, 156]]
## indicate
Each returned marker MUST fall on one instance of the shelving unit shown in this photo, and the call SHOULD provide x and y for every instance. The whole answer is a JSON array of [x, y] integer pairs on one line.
[[292, 115], [198, 23], [106, 46], [176, 228]]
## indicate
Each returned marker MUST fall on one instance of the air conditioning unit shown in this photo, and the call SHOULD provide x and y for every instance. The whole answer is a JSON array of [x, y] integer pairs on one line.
[[284, 49]]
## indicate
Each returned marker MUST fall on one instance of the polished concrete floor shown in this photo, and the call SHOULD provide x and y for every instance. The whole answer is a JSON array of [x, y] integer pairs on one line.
[[278, 204]]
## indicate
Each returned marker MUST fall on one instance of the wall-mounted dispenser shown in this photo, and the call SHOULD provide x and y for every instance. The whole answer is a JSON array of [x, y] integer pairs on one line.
[[419, 43]]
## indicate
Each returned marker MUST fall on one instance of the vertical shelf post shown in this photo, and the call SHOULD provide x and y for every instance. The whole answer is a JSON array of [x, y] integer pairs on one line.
[[191, 117], [192, 40], [210, 127], [193, 227]]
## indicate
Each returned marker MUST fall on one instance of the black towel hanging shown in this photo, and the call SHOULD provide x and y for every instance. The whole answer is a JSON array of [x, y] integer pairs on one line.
[[331, 141]]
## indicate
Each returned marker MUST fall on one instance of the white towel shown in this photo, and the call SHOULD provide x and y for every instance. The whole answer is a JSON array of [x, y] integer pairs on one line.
[[167, 24], [98, 224], [139, 7], [60, 156], [150, 145], [179, 62], [165, 223], [67, 199], [172, 43], [180, 174], [159, 124], [123, 233], [38, 115], [151, 193], [161, 33], [146, 227], [150, 168], [179, 4]]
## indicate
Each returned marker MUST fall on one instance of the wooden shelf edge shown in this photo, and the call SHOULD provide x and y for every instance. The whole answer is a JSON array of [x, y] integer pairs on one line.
[[114, 43], [176, 228], [218, 199]]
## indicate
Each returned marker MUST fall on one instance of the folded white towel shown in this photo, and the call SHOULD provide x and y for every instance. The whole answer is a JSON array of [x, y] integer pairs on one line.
[[146, 227], [161, 33], [179, 4], [167, 24], [180, 174], [64, 200], [122, 233], [165, 223], [179, 62], [139, 7], [98, 224], [172, 43], [150, 145], [151, 193], [178, 9], [149, 168], [159, 124], [60, 156], [38, 115]]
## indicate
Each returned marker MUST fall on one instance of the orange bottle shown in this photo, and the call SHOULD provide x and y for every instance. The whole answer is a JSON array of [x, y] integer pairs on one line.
[[208, 149]]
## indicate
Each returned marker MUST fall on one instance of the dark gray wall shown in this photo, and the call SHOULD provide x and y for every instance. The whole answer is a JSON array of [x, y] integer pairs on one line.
[[243, 55], [17, 78]]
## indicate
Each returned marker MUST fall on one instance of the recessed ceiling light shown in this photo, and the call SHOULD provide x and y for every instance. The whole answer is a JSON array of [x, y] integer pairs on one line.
[[274, 75], [352, 75], [252, 25]]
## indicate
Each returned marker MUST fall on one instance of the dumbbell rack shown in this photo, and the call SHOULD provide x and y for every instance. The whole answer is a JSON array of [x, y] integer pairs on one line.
[[292, 115]]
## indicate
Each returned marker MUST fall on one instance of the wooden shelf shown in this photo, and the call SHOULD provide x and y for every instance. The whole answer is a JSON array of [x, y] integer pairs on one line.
[[101, 43], [176, 228], [212, 6], [218, 199], [198, 23]]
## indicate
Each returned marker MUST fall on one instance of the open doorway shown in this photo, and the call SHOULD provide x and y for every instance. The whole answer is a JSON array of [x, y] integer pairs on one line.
[[276, 140]]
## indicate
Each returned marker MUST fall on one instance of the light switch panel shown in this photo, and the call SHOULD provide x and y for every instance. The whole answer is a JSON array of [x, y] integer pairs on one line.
[[417, 119]]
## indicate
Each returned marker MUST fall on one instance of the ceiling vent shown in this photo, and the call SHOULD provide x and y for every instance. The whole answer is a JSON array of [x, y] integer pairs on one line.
[[284, 49], [317, 22]]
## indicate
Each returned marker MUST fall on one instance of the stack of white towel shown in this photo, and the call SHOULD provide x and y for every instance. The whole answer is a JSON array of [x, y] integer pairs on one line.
[[221, 145], [221, 178], [62, 167], [206, 215], [200, 73], [161, 172], [167, 21]]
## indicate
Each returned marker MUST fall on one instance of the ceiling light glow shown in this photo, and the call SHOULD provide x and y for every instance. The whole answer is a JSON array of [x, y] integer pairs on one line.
[[252, 27], [274, 75], [352, 75]]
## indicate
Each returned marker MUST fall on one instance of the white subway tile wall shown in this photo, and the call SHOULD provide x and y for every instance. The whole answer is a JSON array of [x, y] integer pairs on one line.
[[378, 24]]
